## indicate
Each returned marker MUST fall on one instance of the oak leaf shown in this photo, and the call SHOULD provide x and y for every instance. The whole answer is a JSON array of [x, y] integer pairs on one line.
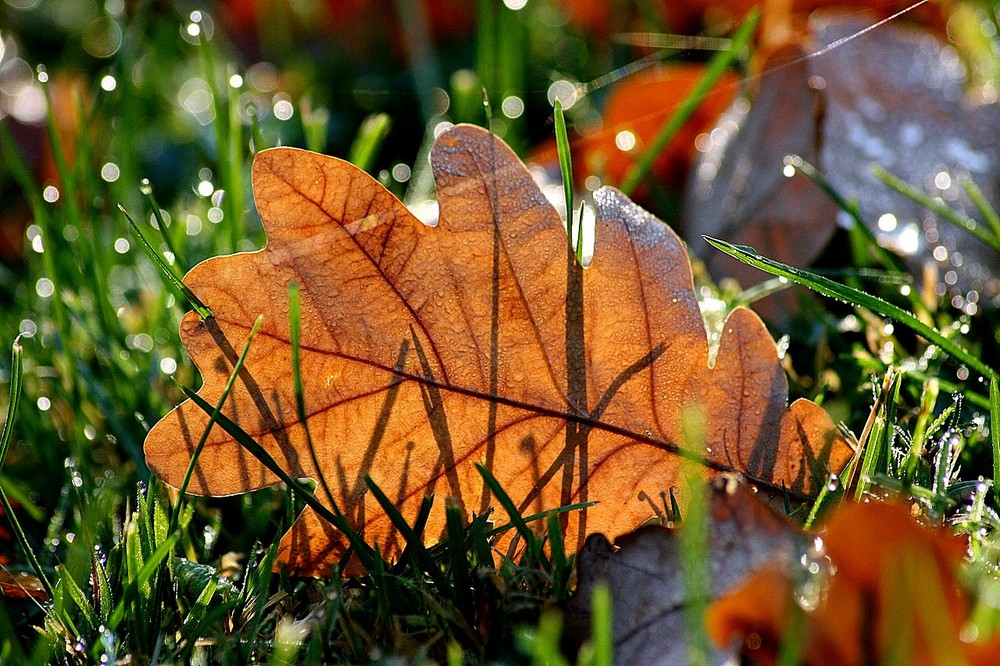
[[426, 350], [895, 96]]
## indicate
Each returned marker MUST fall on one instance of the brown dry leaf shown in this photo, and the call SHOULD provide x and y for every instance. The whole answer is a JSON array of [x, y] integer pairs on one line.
[[21, 586], [893, 595], [645, 575], [426, 350], [895, 96]]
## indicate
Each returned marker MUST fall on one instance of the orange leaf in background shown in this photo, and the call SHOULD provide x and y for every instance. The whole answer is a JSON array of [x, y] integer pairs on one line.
[[636, 109], [893, 597], [426, 350]]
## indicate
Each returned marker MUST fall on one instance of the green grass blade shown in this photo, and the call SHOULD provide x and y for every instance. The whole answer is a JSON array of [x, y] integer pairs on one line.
[[371, 135], [856, 297], [16, 381], [169, 278], [717, 66], [191, 629], [414, 541], [884, 256], [161, 224], [189, 472], [294, 325], [961, 221], [149, 568], [602, 626], [78, 598], [15, 388], [458, 554], [986, 209], [334, 517], [565, 167], [995, 433], [531, 542]]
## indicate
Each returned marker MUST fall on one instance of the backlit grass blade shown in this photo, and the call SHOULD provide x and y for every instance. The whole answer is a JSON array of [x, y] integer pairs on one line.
[[961, 221], [414, 541], [530, 540], [169, 278], [856, 297], [294, 327], [995, 432], [335, 517], [886, 258], [566, 168], [189, 472], [371, 135], [986, 209], [161, 224], [16, 380], [717, 66]]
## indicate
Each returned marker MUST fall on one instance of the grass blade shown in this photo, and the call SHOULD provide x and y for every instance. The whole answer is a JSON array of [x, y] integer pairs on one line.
[[371, 135], [717, 66], [169, 278], [414, 542], [530, 540], [995, 433], [335, 517], [988, 212], [16, 381], [961, 221], [189, 472], [856, 297]]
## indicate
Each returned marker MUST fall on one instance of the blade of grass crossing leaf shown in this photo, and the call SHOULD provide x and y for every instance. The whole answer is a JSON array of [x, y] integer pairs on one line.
[[579, 506], [335, 517], [6, 436], [169, 278], [480, 542], [995, 433], [856, 297], [565, 166], [986, 209], [414, 542], [370, 137], [458, 554], [189, 472], [560, 565], [530, 540], [294, 323], [939, 209], [717, 66], [419, 525]]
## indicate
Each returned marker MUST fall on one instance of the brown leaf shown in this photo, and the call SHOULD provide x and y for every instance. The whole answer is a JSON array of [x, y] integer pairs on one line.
[[425, 350], [21, 586], [894, 96], [894, 594], [646, 578]]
